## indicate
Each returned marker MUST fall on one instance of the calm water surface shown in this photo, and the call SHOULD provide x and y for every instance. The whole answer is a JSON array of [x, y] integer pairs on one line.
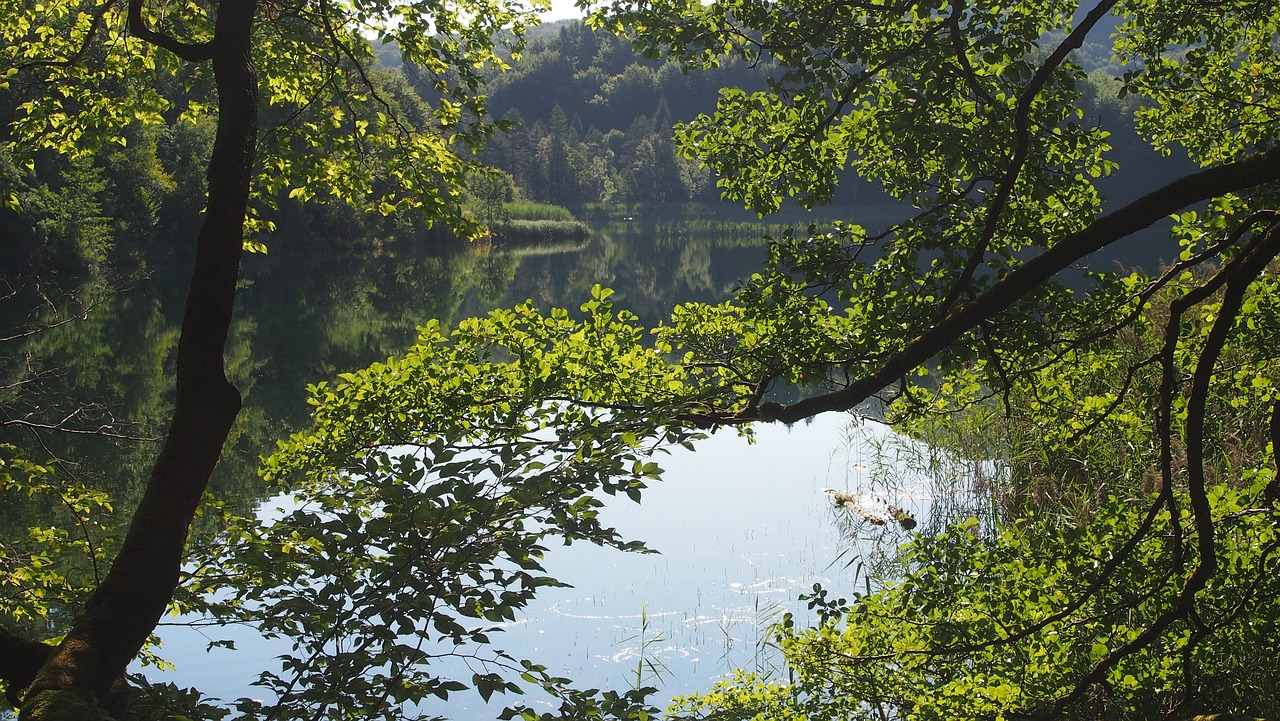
[[742, 530]]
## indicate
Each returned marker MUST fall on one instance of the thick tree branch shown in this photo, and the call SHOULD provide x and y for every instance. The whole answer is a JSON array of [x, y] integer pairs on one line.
[[1235, 279], [1255, 170], [191, 52]]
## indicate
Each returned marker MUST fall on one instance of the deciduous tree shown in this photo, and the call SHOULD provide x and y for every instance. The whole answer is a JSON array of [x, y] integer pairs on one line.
[[1157, 382], [78, 74], [1163, 377]]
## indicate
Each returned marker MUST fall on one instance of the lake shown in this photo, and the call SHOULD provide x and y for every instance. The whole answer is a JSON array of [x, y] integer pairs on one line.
[[742, 530]]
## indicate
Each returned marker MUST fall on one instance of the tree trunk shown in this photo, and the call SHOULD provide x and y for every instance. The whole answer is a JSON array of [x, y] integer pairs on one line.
[[124, 610]]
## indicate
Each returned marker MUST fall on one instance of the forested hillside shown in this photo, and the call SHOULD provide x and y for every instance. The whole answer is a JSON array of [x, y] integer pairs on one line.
[[118, 210], [596, 119]]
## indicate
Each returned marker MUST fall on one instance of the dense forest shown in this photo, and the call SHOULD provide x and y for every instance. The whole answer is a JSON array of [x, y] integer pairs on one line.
[[595, 118], [592, 124]]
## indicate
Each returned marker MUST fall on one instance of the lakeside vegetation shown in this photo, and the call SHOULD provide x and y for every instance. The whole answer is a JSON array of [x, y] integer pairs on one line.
[[526, 225], [601, 136]]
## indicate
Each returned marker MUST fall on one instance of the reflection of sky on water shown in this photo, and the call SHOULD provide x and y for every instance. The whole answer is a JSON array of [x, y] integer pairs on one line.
[[741, 531]]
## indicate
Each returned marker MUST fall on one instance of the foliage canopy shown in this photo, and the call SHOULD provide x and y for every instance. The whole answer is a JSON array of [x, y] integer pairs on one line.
[[80, 75], [299, 110]]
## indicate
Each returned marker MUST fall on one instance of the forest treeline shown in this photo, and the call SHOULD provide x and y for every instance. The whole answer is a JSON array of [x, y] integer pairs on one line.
[[592, 122], [120, 210], [596, 119]]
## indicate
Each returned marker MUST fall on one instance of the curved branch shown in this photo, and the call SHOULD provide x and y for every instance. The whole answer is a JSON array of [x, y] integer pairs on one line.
[[1237, 277], [106, 430], [95, 24], [191, 52], [344, 50], [961, 52], [1257, 169]]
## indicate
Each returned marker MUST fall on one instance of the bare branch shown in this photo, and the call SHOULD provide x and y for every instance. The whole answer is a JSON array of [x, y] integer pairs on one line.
[[30, 330], [105, 430]]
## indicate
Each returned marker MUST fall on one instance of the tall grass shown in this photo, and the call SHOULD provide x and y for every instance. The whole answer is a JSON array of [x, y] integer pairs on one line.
[[529, 210], [649, 667], [525, 233]]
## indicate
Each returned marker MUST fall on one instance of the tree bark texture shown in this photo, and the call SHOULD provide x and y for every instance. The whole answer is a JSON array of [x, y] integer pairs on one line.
[[124, 610]]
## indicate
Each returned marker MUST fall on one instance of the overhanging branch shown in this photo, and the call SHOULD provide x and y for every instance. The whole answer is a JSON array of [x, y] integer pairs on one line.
[[1022, 147], [1257, 169], [1234, 281]]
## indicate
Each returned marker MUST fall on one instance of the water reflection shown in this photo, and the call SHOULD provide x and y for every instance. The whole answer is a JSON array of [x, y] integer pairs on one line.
[[742, 531], [318, 305]]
